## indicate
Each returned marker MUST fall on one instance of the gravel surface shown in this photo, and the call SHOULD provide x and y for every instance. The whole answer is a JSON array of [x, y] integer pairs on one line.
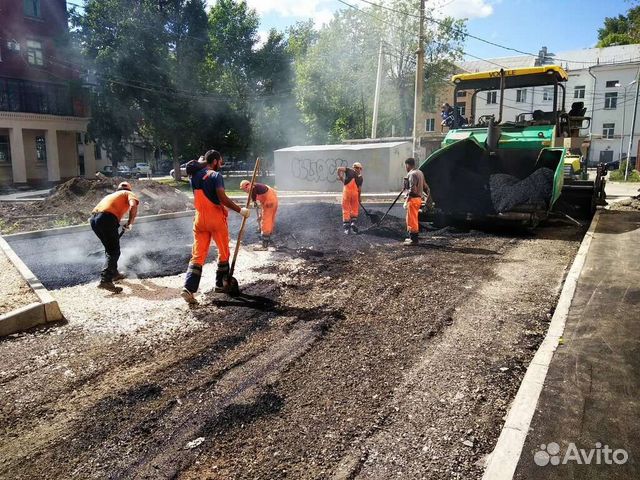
[[14, 291], [346, 357]]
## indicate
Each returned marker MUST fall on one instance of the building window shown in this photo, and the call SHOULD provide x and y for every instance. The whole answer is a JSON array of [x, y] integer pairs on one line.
[[5, 150], [32, 8], [578, 91], [612, 84], [430, 125], [611, 100], [461, 93], [492, 98], [608, 130], [430, 102], [462, 109], [34, 52], [547, 94], [41, 150], [98, 151], [521, 95]]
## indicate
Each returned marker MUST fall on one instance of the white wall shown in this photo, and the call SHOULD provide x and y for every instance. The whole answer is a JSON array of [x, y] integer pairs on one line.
[[314, 168]]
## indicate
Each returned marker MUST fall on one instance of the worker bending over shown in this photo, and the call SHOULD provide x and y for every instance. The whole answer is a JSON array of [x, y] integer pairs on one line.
[[416, 186], [105, 223], [210, 222], [352, 181], [267, 199]]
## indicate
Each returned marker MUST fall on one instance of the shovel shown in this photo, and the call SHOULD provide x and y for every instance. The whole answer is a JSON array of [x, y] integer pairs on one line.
[[231, 286], [385, 213], [374, 217], [101, 252]]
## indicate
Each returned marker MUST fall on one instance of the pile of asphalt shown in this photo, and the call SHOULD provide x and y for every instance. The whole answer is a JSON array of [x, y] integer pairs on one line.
[[508, 191]]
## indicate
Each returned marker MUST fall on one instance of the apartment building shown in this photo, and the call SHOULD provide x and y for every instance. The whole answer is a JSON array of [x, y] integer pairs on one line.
[[43, 108]]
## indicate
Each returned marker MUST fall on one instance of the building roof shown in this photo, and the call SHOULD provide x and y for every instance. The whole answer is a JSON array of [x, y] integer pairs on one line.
[[569, 59], [360, 146]]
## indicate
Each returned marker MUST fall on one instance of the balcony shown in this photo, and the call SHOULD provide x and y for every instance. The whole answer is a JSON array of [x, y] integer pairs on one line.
[[42, 98]]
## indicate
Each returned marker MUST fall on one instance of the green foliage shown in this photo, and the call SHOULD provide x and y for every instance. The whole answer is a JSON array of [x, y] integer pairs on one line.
[[618, 175], [620, 30], [336, 71]]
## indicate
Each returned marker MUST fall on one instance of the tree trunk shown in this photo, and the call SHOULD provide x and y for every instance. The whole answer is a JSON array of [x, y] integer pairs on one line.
[[177, 175]]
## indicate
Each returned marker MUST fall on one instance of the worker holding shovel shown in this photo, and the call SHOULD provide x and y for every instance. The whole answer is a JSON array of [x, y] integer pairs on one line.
[[267, 199], [105, 223], [352, 181], [416, 186], [210, 222]]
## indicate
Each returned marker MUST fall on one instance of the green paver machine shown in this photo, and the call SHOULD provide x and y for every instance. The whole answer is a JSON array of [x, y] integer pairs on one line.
[[518, 170]]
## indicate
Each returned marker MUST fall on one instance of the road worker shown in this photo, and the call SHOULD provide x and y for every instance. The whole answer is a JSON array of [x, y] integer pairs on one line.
[[416, 186], [210, 222], [105, 222], [351, 179], [267, 199]]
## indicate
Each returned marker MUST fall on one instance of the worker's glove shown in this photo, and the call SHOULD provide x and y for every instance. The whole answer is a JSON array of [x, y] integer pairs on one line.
[[405, 205], [128, 227], [245, 212]]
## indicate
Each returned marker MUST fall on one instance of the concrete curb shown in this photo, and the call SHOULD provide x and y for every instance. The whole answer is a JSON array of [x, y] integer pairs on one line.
[[504, 459], [84, 227], [45, 311]]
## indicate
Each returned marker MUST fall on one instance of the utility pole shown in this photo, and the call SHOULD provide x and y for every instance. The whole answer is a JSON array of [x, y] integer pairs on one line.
[[633, 127], [376, 99], [417, 106]]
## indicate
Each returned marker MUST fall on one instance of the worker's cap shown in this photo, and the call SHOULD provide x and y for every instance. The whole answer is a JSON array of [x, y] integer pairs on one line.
[[244, 183], [124, 186], [357, 165]]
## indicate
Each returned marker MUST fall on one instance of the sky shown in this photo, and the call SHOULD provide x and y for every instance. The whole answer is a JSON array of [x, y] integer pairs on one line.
[[525, 25]]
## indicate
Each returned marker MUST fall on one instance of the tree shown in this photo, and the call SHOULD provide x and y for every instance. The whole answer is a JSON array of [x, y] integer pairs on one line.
[[620, 30], [147, 56], [335, 80]]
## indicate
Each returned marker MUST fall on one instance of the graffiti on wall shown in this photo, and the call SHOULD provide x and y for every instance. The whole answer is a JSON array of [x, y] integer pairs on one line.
[[317, 171]]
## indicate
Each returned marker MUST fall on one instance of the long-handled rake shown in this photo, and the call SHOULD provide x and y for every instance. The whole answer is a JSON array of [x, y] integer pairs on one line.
[[232, 285]]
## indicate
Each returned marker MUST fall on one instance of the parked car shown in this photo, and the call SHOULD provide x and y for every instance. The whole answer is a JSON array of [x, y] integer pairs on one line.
[[141, 169], [107, 170], [183, 171], [124, 171], [613, 165]]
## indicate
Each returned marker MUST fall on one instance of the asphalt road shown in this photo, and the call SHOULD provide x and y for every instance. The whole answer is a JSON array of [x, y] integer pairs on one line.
[[152, 249]]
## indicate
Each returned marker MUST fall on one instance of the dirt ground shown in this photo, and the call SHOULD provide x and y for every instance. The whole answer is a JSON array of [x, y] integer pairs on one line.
[[346, 357], [628, 204], [71, 203], [14, 291]]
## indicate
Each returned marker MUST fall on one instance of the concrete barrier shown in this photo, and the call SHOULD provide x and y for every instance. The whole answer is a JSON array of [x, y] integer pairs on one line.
[[46, 310]]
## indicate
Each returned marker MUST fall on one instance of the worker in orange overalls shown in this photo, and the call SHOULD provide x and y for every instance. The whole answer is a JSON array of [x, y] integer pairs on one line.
[[351, 179], [416, 185], [210, 222], [105, 222], [267, 198]]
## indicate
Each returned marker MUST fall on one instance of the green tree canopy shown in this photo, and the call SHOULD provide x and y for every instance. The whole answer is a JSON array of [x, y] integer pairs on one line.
[[620, 30]]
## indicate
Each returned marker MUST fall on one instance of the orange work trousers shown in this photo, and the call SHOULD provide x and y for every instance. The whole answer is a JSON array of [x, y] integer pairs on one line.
[[208, 225], [269, 205], [350, 202], [413, 207]]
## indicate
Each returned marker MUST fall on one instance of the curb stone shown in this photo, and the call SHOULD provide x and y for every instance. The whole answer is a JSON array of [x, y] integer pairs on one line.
[[46, 310]]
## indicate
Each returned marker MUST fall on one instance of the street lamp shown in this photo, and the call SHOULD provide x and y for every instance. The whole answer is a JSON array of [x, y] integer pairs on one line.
[[624, 115], [633, 126]]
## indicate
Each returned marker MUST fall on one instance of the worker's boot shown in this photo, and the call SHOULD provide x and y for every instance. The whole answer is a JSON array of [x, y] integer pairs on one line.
[[354, 229], [188, 297], [347, 228], [222, 276], [412, 240], [109, 286], [266, 240], [119, 276]]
